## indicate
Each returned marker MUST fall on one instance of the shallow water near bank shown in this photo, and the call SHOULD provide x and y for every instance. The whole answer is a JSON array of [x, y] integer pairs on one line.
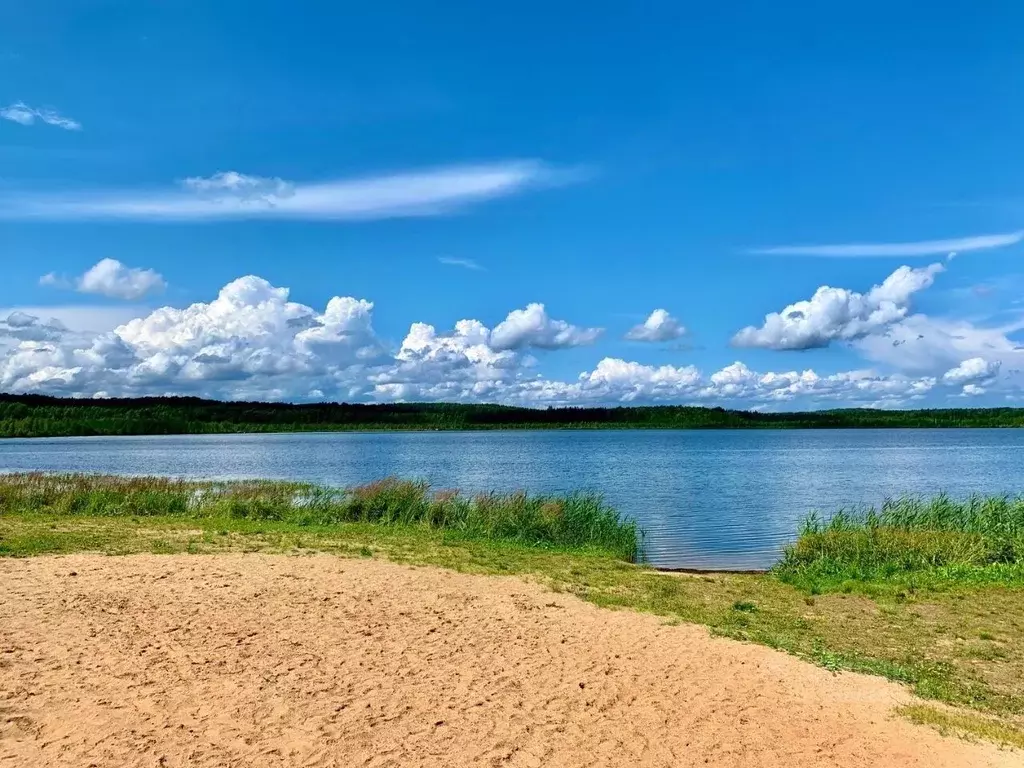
[[706, 499]]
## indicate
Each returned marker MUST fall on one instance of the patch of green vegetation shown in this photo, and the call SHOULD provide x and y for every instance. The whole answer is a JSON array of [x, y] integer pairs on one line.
[[571, 521], [964, 724], [911, 544]]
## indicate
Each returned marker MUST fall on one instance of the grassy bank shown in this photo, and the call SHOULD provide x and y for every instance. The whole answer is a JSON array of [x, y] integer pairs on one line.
[[955, 640], [575, 521], [910, 543]]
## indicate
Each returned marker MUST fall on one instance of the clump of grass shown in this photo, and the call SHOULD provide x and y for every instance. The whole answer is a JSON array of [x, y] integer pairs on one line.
[[573, 521], [978, 539], [964, 724]]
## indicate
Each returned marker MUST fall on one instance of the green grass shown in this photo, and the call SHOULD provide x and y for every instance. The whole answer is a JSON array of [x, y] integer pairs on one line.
[[951, 638], [912, 543], [578, 520]]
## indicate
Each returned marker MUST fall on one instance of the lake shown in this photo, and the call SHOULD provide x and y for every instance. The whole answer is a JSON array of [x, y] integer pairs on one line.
[[706, 499]]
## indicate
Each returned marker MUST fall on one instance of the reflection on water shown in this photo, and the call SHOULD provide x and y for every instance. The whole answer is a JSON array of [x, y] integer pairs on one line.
[[708, 499]]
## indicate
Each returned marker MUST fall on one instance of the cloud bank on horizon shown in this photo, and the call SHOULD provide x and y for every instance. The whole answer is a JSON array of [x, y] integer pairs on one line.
[[252, 342]]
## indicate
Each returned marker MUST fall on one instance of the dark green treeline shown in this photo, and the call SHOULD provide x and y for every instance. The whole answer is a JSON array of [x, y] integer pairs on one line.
[[38, 416]]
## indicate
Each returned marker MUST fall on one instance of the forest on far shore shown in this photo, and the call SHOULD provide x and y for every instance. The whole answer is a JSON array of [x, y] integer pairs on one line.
[[44, 416]]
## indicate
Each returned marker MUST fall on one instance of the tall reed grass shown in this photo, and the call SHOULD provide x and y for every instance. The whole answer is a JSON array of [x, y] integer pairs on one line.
[[910, 534], [576, 520]]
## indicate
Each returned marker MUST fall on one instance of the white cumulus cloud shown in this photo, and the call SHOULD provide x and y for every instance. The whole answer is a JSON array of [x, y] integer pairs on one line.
[[460, 365], [53, 280], [250, 329], [109, 277], [250, 341], [659, 326], [618, 380], [25, 327], [532, 327], [974, 370], [834, 314]]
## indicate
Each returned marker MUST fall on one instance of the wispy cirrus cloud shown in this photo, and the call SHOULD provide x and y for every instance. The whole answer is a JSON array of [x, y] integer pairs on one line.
[[233, 195], [876, 250], [464, 263], [21, 113]]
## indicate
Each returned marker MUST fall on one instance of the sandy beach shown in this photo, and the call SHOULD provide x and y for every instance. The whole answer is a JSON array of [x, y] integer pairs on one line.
[[262, 660]]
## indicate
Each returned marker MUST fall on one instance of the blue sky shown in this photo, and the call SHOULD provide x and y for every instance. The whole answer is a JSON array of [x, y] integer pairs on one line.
[[554, 172]]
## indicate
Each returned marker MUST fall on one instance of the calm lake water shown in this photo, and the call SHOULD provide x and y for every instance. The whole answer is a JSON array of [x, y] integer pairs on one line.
[[706, 499]]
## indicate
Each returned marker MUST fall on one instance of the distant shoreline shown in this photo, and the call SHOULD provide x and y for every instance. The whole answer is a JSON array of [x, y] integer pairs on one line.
[[244, 429], [44, 416]]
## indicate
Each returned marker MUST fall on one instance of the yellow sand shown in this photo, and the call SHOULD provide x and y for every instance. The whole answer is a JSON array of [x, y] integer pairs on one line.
[[258, 660]]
